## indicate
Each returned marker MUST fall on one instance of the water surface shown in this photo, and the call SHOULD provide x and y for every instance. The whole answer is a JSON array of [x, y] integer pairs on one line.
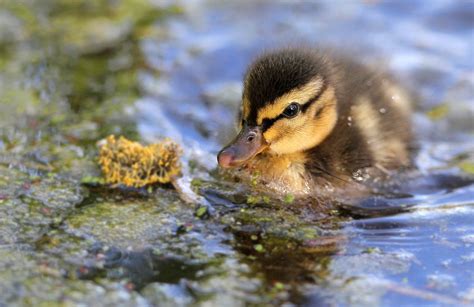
[[157, 70]]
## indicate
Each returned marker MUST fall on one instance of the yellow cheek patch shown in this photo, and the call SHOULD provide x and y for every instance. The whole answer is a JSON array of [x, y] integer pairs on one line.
[[304, 131], [282, 129], [299, 95]]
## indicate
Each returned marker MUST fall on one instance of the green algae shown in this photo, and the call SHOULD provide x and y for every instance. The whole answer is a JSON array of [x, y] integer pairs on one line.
[[56, 101], [467, 167], [438, 112], [289, 198], [259, 248], [30, 208], [30, 278], [92, 62], [201, 212]]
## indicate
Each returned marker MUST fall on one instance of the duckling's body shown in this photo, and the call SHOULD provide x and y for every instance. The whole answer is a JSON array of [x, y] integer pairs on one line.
[[309, 121]]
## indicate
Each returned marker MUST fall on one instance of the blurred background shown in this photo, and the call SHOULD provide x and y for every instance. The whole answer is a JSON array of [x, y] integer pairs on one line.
[[74, 71]]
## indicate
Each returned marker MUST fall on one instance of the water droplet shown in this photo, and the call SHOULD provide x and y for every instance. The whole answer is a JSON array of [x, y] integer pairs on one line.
[[360, 175], [357, 175], [329, 187]]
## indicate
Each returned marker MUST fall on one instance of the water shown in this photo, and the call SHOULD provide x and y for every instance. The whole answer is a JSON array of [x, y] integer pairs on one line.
[[429, 46], [146, 77]]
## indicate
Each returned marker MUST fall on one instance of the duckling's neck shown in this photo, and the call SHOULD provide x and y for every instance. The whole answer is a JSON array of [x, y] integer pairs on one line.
[[286, 172]]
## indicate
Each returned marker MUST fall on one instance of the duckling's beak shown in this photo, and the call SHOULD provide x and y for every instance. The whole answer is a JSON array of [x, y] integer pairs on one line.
[[249, 143]]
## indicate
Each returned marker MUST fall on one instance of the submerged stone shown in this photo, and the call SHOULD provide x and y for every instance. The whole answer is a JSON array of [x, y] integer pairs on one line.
[[31, 278], [30, 207]]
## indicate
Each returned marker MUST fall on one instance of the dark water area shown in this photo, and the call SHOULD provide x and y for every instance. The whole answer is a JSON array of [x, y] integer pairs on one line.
[[73, 72]]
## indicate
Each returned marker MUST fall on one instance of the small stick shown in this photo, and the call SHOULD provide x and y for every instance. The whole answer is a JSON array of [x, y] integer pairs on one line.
[[183, 187]]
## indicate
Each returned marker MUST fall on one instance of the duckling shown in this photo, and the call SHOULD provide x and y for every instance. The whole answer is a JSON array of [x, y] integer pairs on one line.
[[308, 120]]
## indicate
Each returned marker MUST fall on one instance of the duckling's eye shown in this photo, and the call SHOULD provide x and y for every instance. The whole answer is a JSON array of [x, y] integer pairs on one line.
[[292, 110]]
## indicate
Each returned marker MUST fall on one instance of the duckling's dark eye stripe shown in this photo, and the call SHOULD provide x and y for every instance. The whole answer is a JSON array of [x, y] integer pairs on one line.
[[315, 98], [268, 122]]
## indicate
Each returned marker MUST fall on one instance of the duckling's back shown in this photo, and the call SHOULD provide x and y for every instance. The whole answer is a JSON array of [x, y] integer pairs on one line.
[[373, 129]]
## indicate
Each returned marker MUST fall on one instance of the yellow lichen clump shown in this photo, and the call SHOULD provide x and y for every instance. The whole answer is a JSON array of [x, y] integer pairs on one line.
[[132, 164]]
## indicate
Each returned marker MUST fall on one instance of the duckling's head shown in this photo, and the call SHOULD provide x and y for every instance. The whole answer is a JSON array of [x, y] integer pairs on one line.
[[288, 106]]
